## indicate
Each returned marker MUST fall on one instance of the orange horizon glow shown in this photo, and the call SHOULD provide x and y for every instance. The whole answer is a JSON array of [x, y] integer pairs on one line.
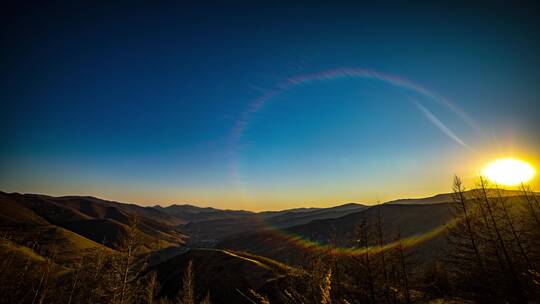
[[422, 177]]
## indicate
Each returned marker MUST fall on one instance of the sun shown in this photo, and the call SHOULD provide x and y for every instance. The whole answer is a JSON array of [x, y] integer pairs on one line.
[[508, 171]]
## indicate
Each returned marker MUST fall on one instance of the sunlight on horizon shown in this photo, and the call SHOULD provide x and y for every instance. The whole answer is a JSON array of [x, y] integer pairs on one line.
[[509, 171]]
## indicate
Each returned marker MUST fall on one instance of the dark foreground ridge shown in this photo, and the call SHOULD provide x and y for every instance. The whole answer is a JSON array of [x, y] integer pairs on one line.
[[473, 246]]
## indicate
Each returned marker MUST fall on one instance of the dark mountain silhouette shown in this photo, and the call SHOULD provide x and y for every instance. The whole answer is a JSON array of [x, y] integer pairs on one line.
[[224, 227], [447, 197], [83, 220], [409, 217], [436, 199], [295, 217], [226, 275], [232, 252], [86, 203], [410, 220], [280, 212], [190, 213]]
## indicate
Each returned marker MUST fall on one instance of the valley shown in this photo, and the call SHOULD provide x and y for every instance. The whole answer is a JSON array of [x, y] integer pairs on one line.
[[232, 252]]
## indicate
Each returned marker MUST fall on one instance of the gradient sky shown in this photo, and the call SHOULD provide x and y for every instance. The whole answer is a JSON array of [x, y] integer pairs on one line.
[[142, 103]]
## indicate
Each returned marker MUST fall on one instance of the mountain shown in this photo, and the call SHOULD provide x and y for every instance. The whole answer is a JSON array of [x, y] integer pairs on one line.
[[103, 222], [207, 233], [283, 245], [436, 199], [65, 245], [422, 218], [232, 253], [190, 213], [79, 221], [88, 202], [280, 212], [210, 231], [449, 197], [293, 218]]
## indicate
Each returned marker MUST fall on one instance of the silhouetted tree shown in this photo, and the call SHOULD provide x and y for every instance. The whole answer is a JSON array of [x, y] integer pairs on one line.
[[382, 252], [188, 292]]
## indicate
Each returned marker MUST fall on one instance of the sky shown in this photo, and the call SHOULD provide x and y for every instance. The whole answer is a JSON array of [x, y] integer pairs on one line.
[[264, 106]]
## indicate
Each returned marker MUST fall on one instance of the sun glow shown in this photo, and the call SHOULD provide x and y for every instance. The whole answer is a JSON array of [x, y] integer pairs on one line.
[[508, 171]]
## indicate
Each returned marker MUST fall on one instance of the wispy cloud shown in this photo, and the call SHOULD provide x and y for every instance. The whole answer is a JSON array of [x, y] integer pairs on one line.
[[439, 124]]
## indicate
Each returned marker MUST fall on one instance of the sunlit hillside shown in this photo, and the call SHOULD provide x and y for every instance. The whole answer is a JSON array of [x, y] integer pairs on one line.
[[450, 247]]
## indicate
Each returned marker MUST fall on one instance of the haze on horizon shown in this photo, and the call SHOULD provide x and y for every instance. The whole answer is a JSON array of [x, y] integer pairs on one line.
[[178, 103]]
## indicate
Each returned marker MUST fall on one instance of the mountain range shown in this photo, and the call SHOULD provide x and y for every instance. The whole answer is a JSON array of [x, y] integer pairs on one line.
[[237, 249]]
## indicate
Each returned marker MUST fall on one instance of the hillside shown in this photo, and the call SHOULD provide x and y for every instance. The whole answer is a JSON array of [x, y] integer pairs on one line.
[[295, 217], [280, 212], [80, 221], [449, 197], [224, 274], [217, 229], [269, 253], [209, 225], [98, 208], [190, 213], [410, 220]]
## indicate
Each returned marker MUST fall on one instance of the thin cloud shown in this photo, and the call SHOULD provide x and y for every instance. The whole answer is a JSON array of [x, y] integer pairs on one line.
[[439, 124]]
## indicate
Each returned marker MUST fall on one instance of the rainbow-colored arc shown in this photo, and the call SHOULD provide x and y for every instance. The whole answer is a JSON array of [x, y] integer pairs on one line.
[[256, 105], [300, 242]]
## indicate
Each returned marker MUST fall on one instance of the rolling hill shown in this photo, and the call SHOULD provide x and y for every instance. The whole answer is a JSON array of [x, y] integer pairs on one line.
[[189, 213], [78, 223], [81, 222], [217, 229], [410, 220], [448, 197], [232, 253], [225, 274], [294, 217]]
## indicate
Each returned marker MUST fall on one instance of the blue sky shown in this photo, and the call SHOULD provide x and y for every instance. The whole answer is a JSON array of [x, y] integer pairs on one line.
[[137, 102]]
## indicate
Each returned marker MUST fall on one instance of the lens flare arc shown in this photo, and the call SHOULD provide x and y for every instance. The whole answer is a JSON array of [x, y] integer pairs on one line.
[[243, 122]]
